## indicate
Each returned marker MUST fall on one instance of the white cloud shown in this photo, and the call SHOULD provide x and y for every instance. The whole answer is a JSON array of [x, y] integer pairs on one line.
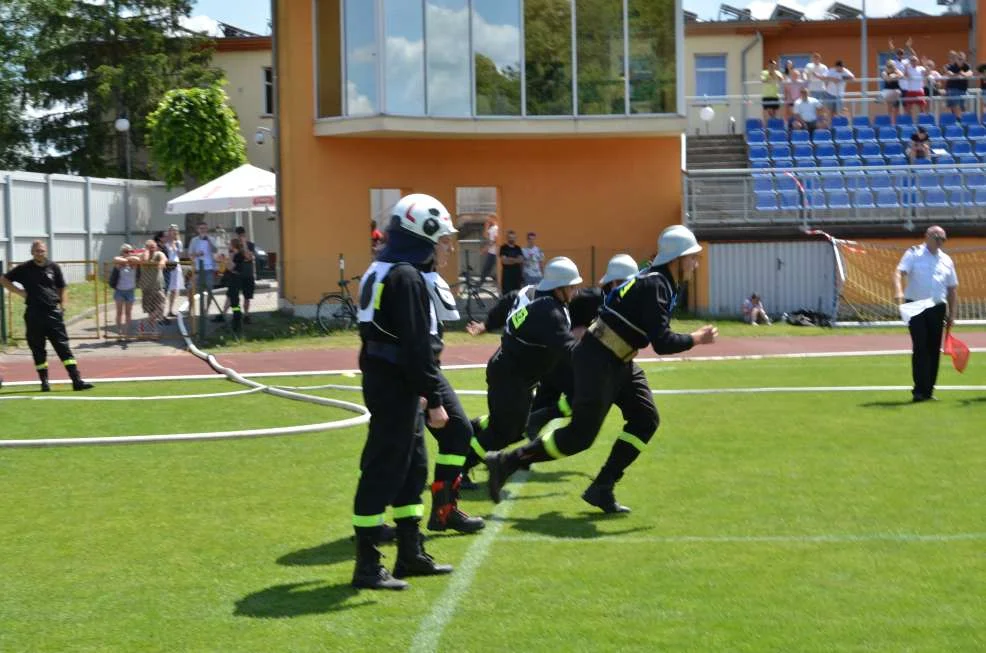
[[202, 25], [357, 104]]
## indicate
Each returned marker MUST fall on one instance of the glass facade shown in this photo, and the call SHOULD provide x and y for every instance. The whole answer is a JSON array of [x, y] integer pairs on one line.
[[507, 58]]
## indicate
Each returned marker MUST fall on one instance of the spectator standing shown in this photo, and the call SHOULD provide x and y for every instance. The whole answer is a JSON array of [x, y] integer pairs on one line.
[[533, 261], [42, 286], [754, 312], [151, 283], [930, 275], [835, 87], [933, 83], [792, 87], [124, 290], [806, 110], [491, 232], [174, 278], [891, 76], [512, 258], [770, 81], [912, 85], [816, 74], [203, 253], [957, 73]]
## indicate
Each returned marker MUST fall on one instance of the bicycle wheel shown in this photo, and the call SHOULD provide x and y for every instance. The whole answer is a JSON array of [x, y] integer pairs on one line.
[[479, 302], [335, 312]]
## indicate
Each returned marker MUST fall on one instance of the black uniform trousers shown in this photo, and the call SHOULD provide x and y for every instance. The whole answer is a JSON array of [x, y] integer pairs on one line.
[[394, 464], [48, 326], [453, 438], [926, 338], [602, 380], [508, 397]]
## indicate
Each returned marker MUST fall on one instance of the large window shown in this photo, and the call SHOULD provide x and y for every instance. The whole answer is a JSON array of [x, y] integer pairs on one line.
[[599, 44], [710, 75], [405, 57], [361, 58], [449, 76], [653, 61], [496, 43], [548, 46]]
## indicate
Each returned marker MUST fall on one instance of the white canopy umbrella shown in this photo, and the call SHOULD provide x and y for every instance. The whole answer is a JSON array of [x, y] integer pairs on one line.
[[247, 188]]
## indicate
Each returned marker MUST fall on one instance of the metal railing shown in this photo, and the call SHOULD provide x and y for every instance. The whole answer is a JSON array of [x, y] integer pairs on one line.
[[727, 198]]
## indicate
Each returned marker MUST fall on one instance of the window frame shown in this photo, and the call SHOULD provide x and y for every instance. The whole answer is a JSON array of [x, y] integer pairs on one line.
[[267, 80], [724, 70]]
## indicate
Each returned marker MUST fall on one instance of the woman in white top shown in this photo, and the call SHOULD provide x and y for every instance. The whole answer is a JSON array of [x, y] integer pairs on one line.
[[173, 250], [125, 268]]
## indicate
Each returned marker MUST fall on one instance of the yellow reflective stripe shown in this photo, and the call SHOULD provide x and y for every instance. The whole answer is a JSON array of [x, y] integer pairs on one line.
[[563, 406], [484, 422], [413, 510], [69, 361], [377, 295], [629, 438], [518, 317], [237, 309], [367, 521], [478, 448], [42, 366], [625, 287], [450, 459], [549, 444], [554, 425]]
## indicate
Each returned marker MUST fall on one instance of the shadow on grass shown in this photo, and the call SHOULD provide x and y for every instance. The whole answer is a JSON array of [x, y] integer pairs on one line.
[[888, 404], [583, 527], [341, 550], [297, 600], [973, 401]]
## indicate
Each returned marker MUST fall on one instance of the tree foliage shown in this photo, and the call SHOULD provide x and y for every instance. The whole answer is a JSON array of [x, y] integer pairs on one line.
[[92, 62], [14, 137], [194, 136]]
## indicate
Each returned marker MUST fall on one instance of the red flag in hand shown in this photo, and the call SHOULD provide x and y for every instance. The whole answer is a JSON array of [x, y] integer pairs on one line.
[[957, 349]]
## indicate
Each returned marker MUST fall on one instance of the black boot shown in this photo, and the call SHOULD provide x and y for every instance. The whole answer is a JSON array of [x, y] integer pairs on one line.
[[500, 465], [466, 483], [43, 375], [77, 382], [445, 512], [601, 496], [369, 573], [412, 559]]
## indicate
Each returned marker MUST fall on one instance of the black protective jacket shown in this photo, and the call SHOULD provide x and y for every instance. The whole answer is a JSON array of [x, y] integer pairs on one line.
[[639, 311]]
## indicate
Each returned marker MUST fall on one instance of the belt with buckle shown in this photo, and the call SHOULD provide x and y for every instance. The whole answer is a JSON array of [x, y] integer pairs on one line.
[[612, 341]]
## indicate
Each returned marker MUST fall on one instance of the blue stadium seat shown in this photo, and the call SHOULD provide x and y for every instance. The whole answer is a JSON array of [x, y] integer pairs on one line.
[[832, 181], [758, 153], [979, 196], [881, 120], [844, 135], [828, 161], [785, 182], [821, 136], [863, 199], [776, 123], [927, 181], [905, 132], [961, 198], [753, 123], [875, 160], [879, 181], [897, 160], [952, 181], [976, 133], [948, 159], [887, 135], [865, 134], [851, 167], [816, 199], [975, 180], [780, 151], [946, 119], [805, 162], [790, 200], [762, 183], [755, 137], [935, 199], [777, 136], [839, 199], [961, 147], [905, 119], [848, 151], [967, 159], [825, 150], [970, 118], [893, 149], [926, 119], [760, 164], [954, 133], [887, 199], [861, 121], [840, 121], [856, 180], [766, 201], [800, 136], [980, 149], [934, 132], [870, 149], [803, 151], [783, 163]]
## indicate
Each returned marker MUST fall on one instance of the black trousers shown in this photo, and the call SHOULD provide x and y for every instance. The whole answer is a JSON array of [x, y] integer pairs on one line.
[[394, 464], [508, 398], [453, 438], [926, 337], [602, 380], [47, 326]]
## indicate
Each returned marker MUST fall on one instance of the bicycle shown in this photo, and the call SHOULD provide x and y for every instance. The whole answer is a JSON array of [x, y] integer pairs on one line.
[[473, 300], [337, 310]]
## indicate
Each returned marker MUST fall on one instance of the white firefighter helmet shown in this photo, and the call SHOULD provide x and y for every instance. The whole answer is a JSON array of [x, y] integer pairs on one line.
[[560, 272], [674, 242], [620, 268], [423, 216]]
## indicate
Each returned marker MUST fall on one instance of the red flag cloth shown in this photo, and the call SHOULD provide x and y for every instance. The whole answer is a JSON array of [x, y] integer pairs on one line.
[[958, 350]]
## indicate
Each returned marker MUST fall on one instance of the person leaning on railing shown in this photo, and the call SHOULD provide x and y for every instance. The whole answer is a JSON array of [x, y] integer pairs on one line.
[[771, 79]]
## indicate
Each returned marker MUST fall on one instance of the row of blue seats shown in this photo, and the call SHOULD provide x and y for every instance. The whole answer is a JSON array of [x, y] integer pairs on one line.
[[863, 135], [873, 181], [948, 118], [854, 164], [853, 151], [864, 199]]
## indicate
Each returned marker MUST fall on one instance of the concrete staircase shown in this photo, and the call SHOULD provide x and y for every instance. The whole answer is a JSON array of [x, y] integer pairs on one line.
[[708, 152]]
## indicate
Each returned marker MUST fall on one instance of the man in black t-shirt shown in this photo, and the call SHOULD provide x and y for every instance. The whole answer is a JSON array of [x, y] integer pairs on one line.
[[245, 276], [43, 288], [958, 72], [512, 257]]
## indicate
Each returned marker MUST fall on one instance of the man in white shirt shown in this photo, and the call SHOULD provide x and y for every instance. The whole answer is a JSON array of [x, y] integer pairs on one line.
[[835, 87], [806, 110], [930, 274], [816, 73], [912, 87], [203, 252]]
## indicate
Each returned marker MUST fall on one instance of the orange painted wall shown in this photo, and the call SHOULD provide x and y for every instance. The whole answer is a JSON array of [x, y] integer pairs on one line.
[[615, 194]]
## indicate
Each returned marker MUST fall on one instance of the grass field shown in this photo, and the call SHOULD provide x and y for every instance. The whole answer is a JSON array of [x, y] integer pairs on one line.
[[795, 521]]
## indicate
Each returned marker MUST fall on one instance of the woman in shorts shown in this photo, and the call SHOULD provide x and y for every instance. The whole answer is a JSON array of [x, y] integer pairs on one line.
[[891, 90], [125, 266]]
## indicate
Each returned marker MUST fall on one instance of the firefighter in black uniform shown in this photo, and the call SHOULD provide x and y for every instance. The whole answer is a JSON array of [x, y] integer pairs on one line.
[[537, 337], [634, 314], [44, 295], [397, 321]]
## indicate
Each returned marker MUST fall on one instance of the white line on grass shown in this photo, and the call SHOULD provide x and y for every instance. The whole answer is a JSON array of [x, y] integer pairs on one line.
[[747, 539], [432, 626]]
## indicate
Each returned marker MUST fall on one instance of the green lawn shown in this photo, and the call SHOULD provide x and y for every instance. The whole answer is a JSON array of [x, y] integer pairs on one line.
[[818, 521]]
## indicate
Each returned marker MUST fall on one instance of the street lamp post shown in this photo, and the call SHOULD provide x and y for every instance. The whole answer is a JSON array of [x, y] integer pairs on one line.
[[122, 125]]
